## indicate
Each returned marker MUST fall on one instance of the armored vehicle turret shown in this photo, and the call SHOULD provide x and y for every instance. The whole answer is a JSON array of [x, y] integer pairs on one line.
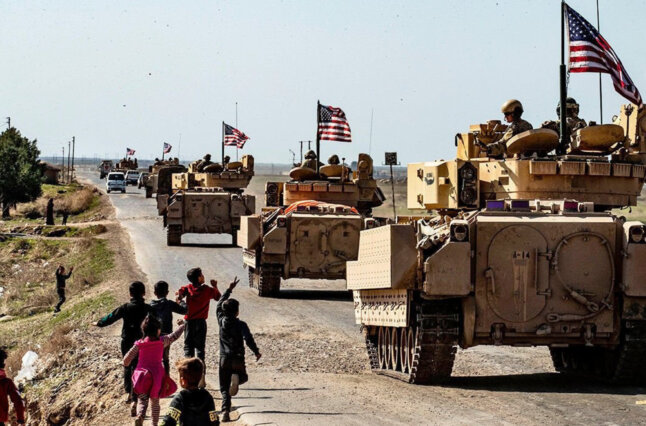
[[523, 250], [208, 200], [311, 225]]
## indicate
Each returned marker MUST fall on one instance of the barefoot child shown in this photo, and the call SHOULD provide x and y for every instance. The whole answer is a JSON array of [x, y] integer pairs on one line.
[[233, 334], [191, 406], [8, 390], [149, 376]]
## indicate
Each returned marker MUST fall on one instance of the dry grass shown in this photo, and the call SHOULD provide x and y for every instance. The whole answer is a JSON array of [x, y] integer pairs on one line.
[[74, 202]]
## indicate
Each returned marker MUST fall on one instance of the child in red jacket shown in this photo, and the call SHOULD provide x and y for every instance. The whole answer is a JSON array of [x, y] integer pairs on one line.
[[198, 300], [8, 389]]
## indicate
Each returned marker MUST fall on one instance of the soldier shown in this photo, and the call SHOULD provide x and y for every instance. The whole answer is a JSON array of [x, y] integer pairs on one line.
[[310, 160], [333, 160], [512, 110], [204, 162], [226, 161], [572, 120]]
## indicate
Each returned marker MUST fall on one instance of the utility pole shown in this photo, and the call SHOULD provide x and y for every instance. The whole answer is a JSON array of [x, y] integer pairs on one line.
[[63, 163], [309, 146], [8, 122], [69, 149], [73, 150]]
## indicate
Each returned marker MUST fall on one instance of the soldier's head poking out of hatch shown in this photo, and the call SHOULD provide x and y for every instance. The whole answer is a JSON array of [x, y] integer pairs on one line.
[[310, 154], [571, 108], [512, 110], [334, 159]]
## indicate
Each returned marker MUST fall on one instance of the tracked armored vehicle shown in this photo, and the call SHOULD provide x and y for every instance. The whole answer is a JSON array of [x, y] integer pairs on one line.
[[311, 225], [104, 168], [524, 251], [210, 201]]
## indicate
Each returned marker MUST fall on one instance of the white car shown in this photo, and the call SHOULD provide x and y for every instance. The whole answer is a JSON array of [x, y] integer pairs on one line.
[[132, 176], [116, 181]]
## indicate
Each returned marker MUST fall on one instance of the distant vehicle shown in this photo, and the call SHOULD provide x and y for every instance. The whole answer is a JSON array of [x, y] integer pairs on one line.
[[143, 177], [116, 182], [132, 177], [104, 168]]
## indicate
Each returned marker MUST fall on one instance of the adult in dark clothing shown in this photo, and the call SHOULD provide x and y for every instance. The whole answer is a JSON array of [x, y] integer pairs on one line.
[[132, 314], [163, 309], [61, 277], [233, 335], [49, 212], [198, 299], [192, 406]]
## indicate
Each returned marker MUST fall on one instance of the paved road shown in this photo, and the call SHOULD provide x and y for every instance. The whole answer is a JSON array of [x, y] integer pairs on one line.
[[314, 369]]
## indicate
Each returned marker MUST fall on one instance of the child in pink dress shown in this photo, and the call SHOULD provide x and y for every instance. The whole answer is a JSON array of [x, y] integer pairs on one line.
[[149, 375]]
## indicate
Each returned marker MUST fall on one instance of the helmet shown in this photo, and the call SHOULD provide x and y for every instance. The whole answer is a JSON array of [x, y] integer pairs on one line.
[[226, 158], [207, 157], [571, 106], [334, 159], [310, 154], [512, 106]]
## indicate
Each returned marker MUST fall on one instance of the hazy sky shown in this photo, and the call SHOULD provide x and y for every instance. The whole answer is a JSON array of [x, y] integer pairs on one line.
[[119, 74]]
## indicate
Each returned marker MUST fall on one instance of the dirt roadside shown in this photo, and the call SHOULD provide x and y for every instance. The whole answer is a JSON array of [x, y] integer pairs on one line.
[[79, 380]]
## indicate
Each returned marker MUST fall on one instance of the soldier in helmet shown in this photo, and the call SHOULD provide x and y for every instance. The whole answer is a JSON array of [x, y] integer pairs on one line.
[[512, 110], [310, 160], [226, 160], [204, 162], [334, 160], [572, 120]]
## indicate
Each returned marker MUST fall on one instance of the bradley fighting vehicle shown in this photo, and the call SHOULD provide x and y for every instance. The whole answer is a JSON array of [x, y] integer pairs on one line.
[[311, 225], [160, 178], [210, 201], [524, 251]]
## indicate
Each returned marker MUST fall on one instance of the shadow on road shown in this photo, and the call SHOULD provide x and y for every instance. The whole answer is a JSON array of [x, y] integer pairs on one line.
[[538, 383], [277, 389], [331, 295]]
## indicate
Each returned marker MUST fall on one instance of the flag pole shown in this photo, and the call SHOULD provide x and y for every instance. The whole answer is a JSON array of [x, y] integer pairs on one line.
[[236, 128], [600, 88], [222, 142], [563, 141], [163, 153], [318, 137]]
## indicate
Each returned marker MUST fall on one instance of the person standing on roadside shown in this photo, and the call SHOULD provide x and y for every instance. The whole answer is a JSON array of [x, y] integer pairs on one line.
[[198, 300], [132, 314], [164, 309], [233, 335], [61, 277]]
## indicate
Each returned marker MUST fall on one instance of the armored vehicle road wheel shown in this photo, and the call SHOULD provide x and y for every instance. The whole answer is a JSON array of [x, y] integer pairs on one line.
[[149, 192], [253, 278], [268, 282], [422, 353], [621, 365], [174, 235]]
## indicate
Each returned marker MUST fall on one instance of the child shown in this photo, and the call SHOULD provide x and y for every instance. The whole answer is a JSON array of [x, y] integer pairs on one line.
[[150, 352], [164, 309], [132, 313], [61, 277], [232, 334], [8, 389], [191, 406], [198, 300]]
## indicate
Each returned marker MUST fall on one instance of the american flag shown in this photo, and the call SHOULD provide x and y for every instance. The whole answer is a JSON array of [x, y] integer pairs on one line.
[[234, 137], [130, 151], [590, 52], [167, 147], [333, 126]]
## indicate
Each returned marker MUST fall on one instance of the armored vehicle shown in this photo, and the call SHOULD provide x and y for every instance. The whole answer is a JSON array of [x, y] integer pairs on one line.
[[160, 178], [104, 168], [524, 251], [125, 164], [208, 200], [311, 225]]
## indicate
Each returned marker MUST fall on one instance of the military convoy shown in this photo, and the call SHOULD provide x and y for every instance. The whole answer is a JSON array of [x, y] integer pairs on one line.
[[310, 227], [524, 251], [206, 199]]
